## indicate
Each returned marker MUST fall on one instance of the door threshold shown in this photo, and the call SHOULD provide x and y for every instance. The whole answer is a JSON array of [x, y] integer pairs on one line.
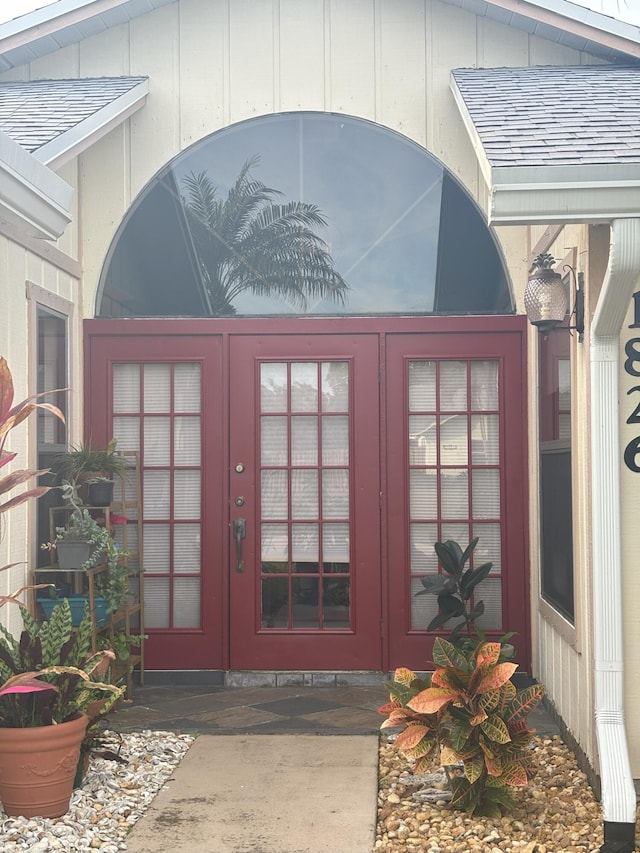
[[265, 678]]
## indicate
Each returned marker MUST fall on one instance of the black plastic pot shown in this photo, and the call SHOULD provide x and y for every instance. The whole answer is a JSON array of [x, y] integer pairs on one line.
[[100, 493]]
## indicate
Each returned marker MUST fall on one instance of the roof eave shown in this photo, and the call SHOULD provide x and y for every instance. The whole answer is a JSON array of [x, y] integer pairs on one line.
[[563, 194], [526, 195], [33, 197], [83, 135]]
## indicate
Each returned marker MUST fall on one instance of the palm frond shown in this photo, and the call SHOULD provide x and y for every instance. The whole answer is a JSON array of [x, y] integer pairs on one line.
[[249, 243]]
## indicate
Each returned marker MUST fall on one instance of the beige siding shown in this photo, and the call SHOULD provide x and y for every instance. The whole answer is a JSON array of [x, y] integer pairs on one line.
[[215, 62], [17, 266], [630, 529]]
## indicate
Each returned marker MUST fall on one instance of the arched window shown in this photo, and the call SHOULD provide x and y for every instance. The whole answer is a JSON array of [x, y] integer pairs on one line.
[[388, 229]]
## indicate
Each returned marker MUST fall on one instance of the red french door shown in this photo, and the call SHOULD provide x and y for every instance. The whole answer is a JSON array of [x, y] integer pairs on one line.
[[294, 481], [159, 396], [304, 497], [456, 432]]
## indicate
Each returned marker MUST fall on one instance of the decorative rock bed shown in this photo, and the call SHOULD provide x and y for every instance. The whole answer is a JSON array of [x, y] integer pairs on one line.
[[113, 797], [558, 812]]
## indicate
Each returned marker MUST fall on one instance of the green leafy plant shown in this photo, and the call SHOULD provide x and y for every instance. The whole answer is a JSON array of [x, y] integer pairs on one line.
[[11, 415], [468, 713], [247, 242], [50, 673], [83, 463], [454, 588]]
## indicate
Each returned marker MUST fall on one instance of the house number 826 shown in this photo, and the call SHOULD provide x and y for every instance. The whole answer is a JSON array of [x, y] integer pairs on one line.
[[632, 367]]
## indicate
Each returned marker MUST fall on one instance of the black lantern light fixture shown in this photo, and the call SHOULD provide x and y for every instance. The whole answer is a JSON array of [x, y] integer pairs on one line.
[[545, 297]]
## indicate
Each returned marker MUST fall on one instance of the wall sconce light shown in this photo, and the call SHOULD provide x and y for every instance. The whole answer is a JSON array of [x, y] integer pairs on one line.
[[545, 297]]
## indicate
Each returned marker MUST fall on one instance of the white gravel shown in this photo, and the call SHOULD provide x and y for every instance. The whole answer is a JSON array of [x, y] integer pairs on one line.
[[113, 797]]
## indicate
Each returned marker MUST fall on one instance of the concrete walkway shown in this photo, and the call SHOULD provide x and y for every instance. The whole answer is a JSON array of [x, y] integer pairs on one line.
[[266, 794]]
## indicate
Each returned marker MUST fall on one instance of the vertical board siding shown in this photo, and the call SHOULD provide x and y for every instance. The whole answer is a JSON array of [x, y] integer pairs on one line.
[[252, 58], [215, 62], [401, 69], [303, 41], [352, 57]]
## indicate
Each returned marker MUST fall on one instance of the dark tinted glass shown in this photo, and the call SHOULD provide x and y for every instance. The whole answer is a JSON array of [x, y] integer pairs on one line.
[[403, 234]]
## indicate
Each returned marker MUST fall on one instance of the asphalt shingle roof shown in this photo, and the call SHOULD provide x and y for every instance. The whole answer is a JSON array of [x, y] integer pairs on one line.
[[35, 112], [554, 116]]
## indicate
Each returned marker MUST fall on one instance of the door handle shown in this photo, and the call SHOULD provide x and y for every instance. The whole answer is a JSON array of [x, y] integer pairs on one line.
[[239, 533]]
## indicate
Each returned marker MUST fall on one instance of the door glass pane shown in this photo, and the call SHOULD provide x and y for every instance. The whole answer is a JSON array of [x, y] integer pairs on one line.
[[304, 440], [335, 600], [275, 543], [422, 440], [423, 555], [454, 493], [273, 440], [423, 494], [304, 494], [186, 603], [485, 439], [158, 396], [422, 386], [444, 469], [490, 592], [306, 610], [453, 440], [157, 441], [157, 495], [297, 559], [186, 392], [335, 543], [157, 551], [186, 441], [126, 388], [305, 547], [156, 602], [335, 440], [486, 493], [335, 386], [275, 602], [275, 494], [453, 386], [186, 494], [157, 387], [304, 387], [186, 548], [484, 385], [126, 431], [273, 387], [335, 493]]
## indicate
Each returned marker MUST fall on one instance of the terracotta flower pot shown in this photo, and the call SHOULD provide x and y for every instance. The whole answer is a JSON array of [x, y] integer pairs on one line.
[[37, 767]]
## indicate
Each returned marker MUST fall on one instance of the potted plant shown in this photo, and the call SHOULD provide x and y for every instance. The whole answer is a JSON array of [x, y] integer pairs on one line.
[[47, 681], [82, 541], [52, 685], [91, 470]]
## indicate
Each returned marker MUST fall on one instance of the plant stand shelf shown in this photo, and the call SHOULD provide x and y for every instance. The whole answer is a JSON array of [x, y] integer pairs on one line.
[[125, 509]]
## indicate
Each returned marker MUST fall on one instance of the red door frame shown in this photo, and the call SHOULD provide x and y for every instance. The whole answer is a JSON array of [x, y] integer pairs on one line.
[[413, 648], [179, 648], [100, 344], [251, 646]]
